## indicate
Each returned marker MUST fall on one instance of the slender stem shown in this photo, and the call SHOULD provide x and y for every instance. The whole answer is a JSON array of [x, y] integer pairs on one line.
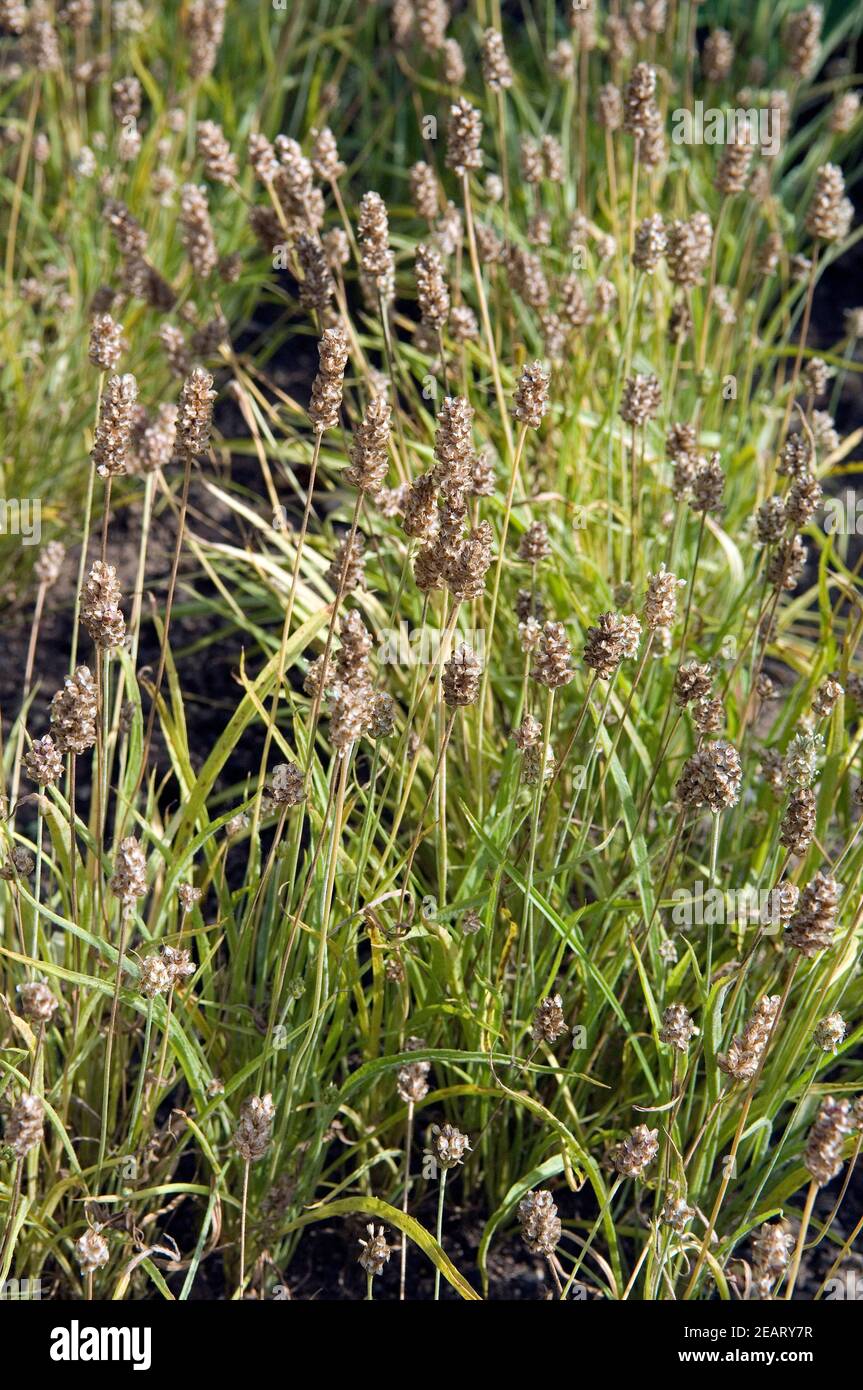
[[243, 1208], [439, 1230], [405, 1196], [801, 1240]]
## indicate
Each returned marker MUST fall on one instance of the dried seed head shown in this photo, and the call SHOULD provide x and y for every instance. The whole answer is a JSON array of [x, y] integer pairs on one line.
[[800, 766], [376, 258], [676, 1213], [708, 486], [154, 977], [38, 1004], [717, 56], [633, 1155], [733, 168], [826, 697], [801, 36], [463, 153], [641, 399], [528, 734], [461, 676], [195, 415], [638, 100], [287, 787], [20, 862], [769, 254], [197, 230], [369, 450], [534, 546], [254, 1128], [610, 107], [74, 711], [796, 456], [689, 246], [561, 61], [453, 445], [204, 25], [679, 322], [43, 763], [325, 156], [130, 871], [496, 71], [154, 442], [677, 1027], [582, 22], [337, 248], [824, 434], [711, 776], [214, 152], [432, 293], [549, 1021], [468, 563], [175, 349], [463, 324], [100, 607], [531, 395], [107, 343], [613, 639], [708, 715], [189, 896], [50, 563], [13, 17], [328, 386], [552, 157], [803, 499], [660, 599], [317, 286], [843, 113], [529, 633], [91, 1250], [745, 1051], [412, 1082], [814, 923], [798, 824], [650, 243], [681, 442], [449, 1145], [830, 1032], [787, 564], [823, 1156], [350, 714], [527, 278], [830, 212], [770, 521], [346, 572], [424, 191], [692, 682], [25, 1126], [375, 1251], [816, 375], [530, 160], [540, 1223], [552, 662], [771, 1253], [454, 66], [113, 432]]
